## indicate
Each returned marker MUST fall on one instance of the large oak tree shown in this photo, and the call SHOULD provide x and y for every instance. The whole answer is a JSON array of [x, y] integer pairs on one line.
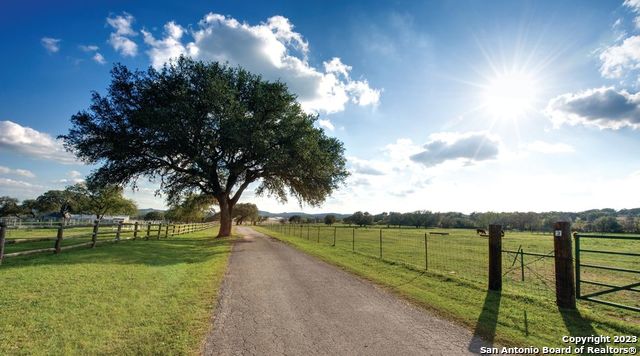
[[210, 129]]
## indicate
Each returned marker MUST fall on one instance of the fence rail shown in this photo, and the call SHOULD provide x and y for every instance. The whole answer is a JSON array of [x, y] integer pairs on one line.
[[20, 240]]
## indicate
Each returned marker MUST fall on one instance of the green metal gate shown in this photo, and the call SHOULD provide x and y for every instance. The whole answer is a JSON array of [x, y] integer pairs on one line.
[[609, 288]]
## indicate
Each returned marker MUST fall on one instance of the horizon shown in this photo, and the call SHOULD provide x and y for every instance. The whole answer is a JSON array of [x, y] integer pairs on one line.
[[438, 108]]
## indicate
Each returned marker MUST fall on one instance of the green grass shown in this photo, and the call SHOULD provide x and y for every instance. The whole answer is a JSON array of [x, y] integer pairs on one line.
[[462, 254], [523, 314], [133, 297]]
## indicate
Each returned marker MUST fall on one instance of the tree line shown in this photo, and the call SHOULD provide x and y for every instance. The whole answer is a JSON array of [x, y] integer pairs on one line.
[[80, 198], [83, 198], [201, 208], [596, 220]]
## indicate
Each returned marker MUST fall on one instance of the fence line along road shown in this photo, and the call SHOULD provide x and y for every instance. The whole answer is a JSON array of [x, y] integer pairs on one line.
[[465, 256], [71, 237]]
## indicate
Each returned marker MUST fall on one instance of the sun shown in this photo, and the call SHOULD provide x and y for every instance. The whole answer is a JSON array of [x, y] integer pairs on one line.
[[510, 95]]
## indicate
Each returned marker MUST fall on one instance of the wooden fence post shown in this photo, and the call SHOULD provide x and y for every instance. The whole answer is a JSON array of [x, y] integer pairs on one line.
[[94, 235], [166, 232], [335, 229], [3, 235], [495, 257], [135, 230], [426, 252], [565, 278], [118, 231], [173, 230], [353, 240], [148, 231], [58, 244], [159, 231], [380, 243]]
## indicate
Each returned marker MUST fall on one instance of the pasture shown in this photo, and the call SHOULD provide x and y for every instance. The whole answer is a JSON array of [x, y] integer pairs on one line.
[[450, 276], [134, 297]]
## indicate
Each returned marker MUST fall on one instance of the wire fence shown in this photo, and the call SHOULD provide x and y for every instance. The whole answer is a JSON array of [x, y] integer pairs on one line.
[[527, 260], [419, 249]]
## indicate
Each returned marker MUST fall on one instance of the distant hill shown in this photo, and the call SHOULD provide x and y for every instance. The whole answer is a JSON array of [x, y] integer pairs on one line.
[[143, 212], [304, 215]]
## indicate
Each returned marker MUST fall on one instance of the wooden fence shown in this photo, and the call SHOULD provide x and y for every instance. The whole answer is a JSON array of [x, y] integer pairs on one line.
[[71, 237]]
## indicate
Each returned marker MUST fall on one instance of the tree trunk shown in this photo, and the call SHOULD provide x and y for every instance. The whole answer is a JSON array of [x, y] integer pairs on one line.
[[225, 217]]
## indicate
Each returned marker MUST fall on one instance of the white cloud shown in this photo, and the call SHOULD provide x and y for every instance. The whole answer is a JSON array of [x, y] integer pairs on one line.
[[617, 60], [272, 49], [11, 183], [119, 39], [30, 142], [549, 148], [162, 51], [401, 150], [605, 108], [623, 57], [73, 177], [335, 65], [99, 58], [19, 189], [52, 45], [361, 166], [89, 48], [450, 146], [18, 172], [634, 6], [68, 181], [326, 124]]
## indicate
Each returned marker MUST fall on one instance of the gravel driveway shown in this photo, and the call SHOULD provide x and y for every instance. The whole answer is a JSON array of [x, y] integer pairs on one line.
[[276, 300]]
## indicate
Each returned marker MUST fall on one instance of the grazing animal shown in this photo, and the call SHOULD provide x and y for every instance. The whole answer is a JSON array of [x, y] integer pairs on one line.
[[483, 232]]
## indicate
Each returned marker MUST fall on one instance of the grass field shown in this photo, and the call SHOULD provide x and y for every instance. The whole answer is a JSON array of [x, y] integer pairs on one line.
[[523, 314], [135, 297]]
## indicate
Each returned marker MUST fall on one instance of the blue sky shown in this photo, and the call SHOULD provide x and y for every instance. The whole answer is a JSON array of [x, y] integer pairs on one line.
[[450, 105]]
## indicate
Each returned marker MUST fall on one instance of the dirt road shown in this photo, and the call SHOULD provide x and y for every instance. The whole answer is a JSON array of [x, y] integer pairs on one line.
[[278, 301]]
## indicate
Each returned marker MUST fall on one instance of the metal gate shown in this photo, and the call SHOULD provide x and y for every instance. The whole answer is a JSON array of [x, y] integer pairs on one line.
[[606, 287]]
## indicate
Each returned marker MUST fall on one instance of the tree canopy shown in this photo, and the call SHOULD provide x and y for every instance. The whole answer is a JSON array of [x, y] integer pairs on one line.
[[60, 201], [206, 128], [192, 208], [9, 207], [101, 200], [329, 219], [245, 211], [154, 216]]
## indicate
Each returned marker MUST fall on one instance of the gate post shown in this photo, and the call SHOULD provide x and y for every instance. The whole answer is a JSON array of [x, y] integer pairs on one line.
[[565, 279], [495, 257], [577, 263]]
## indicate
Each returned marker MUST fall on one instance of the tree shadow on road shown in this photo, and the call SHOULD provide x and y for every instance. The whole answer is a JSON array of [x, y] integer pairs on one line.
[[485, 330]]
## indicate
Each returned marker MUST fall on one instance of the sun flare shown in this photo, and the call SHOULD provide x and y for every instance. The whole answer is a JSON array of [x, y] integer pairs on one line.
[[510, 95]]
